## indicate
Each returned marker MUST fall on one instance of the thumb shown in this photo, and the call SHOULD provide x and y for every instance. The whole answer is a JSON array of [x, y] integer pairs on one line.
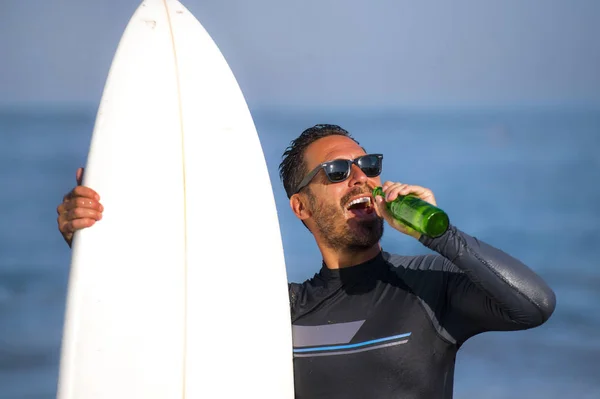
[[383, 212], [79, 176], [380, 206]]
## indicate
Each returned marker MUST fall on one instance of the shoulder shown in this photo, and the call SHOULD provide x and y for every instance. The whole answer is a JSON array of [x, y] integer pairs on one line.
[[424, 274], [294, 290], [402, 263], [303, 294]]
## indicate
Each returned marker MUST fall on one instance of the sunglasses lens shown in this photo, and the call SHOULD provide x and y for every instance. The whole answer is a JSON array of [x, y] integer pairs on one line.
[[370, 165], [337, 170]]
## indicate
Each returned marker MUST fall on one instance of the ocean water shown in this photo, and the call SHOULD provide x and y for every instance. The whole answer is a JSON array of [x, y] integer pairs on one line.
[[526, 181]]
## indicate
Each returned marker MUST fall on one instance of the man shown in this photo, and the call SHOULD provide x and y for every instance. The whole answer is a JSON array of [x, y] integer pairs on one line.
[[371, 324]]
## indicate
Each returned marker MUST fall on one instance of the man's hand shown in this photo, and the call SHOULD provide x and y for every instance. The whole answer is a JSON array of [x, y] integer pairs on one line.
[[392, 191], [80, 208]]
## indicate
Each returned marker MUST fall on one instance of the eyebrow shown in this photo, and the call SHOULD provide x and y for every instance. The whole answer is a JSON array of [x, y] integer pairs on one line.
[[345, 158]]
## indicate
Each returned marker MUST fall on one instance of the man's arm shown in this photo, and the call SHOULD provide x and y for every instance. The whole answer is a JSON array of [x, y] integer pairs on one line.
[[487, 289], [80, 209]]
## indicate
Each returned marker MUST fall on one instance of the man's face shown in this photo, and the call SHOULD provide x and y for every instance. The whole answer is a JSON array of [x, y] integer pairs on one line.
[[340, 224]]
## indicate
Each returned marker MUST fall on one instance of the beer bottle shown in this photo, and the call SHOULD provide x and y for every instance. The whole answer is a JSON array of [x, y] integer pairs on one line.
[[418, 214]]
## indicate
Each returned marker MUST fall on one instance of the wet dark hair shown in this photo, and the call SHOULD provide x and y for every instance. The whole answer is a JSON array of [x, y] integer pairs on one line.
[[293, 166]]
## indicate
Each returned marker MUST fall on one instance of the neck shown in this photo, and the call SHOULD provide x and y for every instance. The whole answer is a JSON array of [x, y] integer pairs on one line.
[[340, 258]]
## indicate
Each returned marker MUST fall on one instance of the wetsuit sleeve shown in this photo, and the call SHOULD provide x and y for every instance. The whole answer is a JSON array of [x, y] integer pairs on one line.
[[488, 290]]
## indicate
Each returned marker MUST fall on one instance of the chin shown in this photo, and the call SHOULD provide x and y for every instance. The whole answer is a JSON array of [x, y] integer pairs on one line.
[[369, 235]]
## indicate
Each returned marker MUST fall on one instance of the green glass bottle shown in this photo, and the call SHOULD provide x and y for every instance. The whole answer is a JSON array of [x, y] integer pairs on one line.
[[417, 214]]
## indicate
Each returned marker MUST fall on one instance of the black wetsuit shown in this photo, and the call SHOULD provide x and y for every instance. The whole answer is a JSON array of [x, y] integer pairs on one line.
[[391, 327]]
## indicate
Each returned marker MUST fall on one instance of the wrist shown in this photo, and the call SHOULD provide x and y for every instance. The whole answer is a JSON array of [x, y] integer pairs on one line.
[[433, 243], [416, 235]]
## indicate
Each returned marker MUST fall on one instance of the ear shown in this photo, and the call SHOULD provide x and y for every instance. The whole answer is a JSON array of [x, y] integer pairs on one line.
[[298, 205]]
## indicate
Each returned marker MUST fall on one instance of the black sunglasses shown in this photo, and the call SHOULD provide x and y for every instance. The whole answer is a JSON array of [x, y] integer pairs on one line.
[[338, 170]]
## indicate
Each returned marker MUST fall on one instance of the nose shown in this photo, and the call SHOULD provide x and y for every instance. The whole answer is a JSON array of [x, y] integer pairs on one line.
[[357, 176]]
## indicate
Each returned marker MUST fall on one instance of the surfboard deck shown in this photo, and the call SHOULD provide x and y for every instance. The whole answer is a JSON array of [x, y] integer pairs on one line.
[[180, 291]]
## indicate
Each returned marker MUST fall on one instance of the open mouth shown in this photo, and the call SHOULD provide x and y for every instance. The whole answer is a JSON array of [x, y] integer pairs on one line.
[[360, 207]]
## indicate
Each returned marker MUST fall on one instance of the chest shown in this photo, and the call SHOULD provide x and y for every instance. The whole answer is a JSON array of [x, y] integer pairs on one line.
[[368, 337]]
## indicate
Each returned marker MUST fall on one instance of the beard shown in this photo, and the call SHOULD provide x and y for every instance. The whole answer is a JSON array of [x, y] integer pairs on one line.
[[340, 234]]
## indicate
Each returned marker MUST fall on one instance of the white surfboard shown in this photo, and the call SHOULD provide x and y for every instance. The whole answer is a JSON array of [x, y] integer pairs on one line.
[[180, 291]]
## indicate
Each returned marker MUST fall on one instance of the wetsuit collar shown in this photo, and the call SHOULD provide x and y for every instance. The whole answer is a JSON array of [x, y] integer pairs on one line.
[[352, 273]]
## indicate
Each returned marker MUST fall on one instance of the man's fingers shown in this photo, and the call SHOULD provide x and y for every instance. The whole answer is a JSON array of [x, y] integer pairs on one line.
[[83, 213], [380, 207], [424, 193], [79, 224], [393, 190], [79, 176], [81, 202], [82, 191], [418, 190], [386, 185], [71, 226]]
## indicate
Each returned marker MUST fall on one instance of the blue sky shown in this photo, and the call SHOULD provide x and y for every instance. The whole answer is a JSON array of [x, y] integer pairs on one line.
[[328, 53]]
